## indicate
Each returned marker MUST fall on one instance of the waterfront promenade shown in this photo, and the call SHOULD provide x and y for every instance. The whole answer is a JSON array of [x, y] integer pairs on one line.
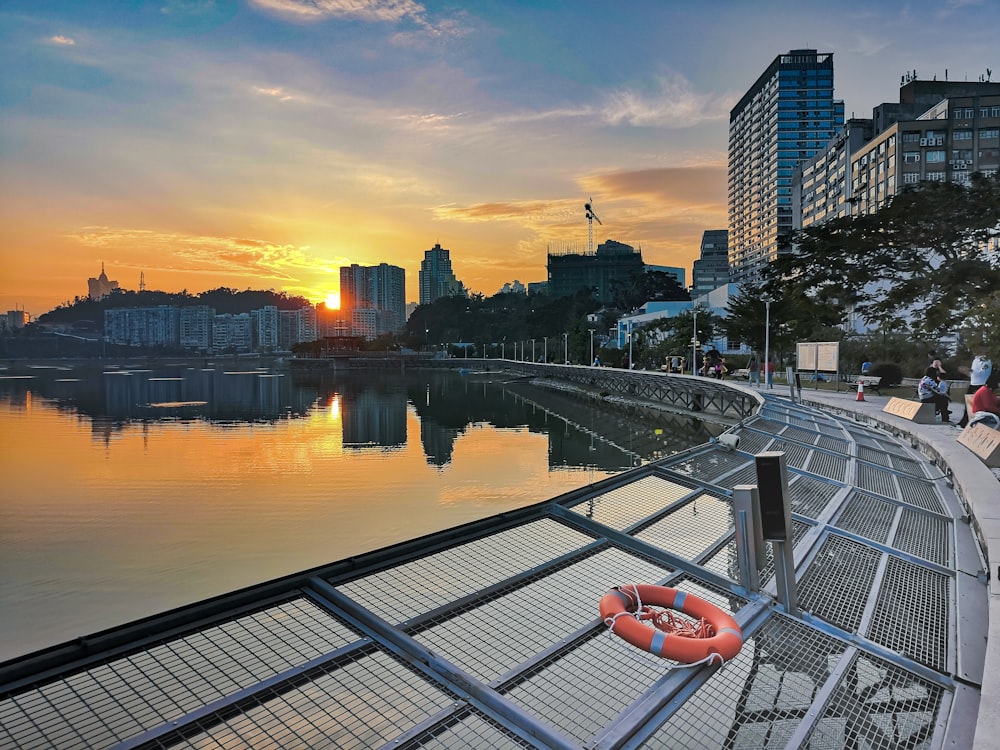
[[487, 635]]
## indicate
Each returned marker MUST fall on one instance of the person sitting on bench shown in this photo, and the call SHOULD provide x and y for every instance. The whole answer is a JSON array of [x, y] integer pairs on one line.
[[927, 392]]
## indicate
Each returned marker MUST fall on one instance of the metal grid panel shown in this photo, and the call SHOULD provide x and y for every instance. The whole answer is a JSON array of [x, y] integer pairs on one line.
[[907, 465], [761, 695], [365, 703], [810, 496], [795, 455], [626, 506], [471, 731], [878, 706], [837, 445], [912, 612], [770, 422], [490, 638], [800, 435], [874, 456], [121, 698], [753, 442], [584, 689], [690, 529], [838, 581], [867, 516], [399, 593], [924, 536], [710, 465], [872, 439], [746, 475], [829, 466], [876, 480], [921, 494]]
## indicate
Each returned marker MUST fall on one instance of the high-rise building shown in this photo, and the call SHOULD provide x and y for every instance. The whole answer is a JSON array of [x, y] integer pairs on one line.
[[711, 270], [373, 298], [436, 277], [265, 328], [195, 327], [784, 119]]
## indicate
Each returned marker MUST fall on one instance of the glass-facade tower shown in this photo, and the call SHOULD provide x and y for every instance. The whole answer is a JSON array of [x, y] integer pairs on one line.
[[785, 118]]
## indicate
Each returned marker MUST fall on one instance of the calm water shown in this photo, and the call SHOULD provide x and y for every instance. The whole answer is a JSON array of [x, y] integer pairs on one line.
[[128, 492]]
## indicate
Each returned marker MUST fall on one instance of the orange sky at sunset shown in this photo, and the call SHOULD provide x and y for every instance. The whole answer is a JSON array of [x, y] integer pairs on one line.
[[265, 143]]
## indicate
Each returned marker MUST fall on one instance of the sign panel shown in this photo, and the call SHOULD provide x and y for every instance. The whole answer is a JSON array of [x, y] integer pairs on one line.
[[822, 356], [984, 442], [915, 411]]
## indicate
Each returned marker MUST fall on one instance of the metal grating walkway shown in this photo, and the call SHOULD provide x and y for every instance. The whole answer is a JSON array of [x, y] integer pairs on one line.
[[488, 635]]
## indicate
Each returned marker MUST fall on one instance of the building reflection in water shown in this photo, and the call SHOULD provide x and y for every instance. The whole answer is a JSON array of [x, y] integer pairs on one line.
[[371, 409]]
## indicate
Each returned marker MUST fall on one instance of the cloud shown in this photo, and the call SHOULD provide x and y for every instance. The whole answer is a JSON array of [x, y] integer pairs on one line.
[[674, 103], [391, 11], [187, 7], [506, 211], [65, 41], [868, 46], [276, 92], [676, 186], [200, 254]]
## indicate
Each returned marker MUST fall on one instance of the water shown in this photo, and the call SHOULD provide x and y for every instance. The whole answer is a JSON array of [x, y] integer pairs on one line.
[[128, 492]]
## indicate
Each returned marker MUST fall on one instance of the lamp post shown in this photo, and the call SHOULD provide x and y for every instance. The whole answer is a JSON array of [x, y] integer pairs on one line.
[[767, 343], [533, 358], [694, 342], [503, 348], [545, 350], [565, 348], [591, 346], [630, 363]]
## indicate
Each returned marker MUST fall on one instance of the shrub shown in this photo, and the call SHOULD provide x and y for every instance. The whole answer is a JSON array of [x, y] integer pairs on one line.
[[891, 374]]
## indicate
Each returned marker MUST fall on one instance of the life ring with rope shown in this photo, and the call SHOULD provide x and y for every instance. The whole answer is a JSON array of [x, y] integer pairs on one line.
[[628, 612]]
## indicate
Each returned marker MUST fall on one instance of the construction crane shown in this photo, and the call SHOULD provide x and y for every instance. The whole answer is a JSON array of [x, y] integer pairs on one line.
[[591, 217]]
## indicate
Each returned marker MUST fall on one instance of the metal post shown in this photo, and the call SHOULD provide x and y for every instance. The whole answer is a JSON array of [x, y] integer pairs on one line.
[[694, 343], [750, 554], [784, 576], [565, 348], [767, 343], [631, 365], [591, 346]]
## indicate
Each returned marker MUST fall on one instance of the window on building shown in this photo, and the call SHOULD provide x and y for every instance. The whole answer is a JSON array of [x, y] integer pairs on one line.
[[994, 111], [911, 157], [989, 133], [957, 113], [969, 112], [935, 157], [911, 178], [984, 111], [962, 135], [911, 137], [936, 176]]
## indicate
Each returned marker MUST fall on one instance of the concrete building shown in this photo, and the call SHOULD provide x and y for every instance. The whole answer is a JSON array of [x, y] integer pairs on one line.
[[142, 326], [232, 332], [822, 188], [679, 274], [296, 326], [568, 273], [784, 119], [436, 276], [373, 298], [195, 327], [711, 270], [957, 136], [265, 328], [15, 320]]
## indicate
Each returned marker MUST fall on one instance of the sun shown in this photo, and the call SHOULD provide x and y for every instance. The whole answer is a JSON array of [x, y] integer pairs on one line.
[[333, 301]]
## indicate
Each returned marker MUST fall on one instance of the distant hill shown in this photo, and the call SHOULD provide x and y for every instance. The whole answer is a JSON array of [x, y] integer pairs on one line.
[[222, 300]]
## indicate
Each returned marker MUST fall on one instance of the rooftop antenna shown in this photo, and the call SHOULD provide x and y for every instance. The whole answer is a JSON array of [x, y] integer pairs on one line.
[[591, 217], [142, 281]]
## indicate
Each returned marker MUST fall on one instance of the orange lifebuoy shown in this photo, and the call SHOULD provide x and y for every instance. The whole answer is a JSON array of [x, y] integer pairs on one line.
[[625, 608]]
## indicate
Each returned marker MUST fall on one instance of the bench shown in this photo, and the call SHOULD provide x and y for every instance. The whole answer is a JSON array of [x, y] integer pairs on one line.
[[868, 381], [915, 411]]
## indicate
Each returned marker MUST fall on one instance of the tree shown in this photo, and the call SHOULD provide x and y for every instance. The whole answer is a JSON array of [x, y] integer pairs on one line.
[[646, 286], [794, 317], [926, 250]]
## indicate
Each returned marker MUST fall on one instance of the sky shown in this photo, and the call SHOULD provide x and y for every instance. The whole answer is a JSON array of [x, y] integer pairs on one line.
[[264, 144]]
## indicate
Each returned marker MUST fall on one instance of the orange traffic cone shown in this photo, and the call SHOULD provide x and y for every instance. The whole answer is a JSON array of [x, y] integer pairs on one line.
[[861, 391]]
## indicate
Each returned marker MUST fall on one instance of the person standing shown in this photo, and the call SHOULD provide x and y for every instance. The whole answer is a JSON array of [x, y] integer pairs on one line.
[[979, 375], [754, 371], [866, 366]]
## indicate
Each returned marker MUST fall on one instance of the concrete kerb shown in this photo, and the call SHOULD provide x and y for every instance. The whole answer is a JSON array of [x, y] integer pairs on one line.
[[979, 491]]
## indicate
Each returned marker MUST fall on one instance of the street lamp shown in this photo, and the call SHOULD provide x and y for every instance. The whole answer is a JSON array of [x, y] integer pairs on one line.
[[631, 365], [694, 342], [545, 350], [503, 348], [767, 342], [565, 348], [533, 358], [591, 346]]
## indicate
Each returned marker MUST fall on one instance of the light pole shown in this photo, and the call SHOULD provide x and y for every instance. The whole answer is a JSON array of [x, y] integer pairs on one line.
[[767, 343], [545, 350], [565, 348], [631, 365], [694, 342], [591, 346], [533, 358], [503, 349]]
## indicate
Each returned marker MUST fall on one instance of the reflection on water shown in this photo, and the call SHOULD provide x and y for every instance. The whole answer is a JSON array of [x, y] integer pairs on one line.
[[127, 492]]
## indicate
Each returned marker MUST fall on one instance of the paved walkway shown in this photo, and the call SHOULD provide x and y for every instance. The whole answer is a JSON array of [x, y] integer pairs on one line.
[[977, 486]]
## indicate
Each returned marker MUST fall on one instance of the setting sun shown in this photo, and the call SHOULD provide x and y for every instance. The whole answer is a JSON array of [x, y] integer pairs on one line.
[[333, 301]]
